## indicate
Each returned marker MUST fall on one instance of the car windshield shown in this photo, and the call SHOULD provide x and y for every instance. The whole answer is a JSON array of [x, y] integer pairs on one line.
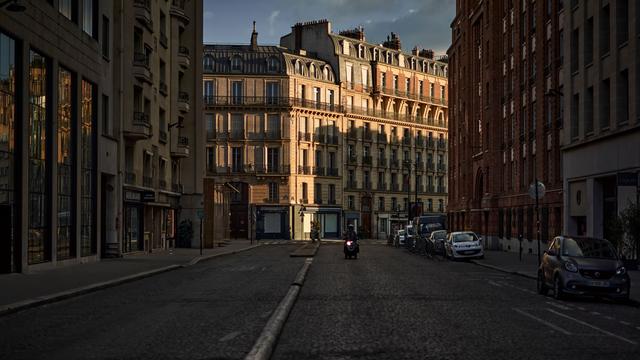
[[441, 234], [588, 248], [465, 237]]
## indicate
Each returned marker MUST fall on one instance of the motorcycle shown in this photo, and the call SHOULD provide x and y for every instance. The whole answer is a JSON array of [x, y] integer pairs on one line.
[[351, 249]]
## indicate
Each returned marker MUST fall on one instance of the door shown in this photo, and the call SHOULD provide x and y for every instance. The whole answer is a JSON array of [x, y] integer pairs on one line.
[[366, 216], [7, 248], [239, 209]]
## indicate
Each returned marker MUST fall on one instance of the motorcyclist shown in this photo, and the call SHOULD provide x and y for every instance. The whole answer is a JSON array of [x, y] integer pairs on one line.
[[351, 234]]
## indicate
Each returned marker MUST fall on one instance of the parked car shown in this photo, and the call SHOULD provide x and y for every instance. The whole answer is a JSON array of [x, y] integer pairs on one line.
[[463, 245], [409, 237], [583, 266], [398, 239], [436, 241]]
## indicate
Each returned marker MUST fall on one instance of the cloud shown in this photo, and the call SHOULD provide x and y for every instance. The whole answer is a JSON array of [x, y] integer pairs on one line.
[[272, 21]]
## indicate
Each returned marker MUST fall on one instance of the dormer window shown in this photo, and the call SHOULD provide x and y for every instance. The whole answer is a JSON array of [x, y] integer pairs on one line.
[[236, 63], [360, 51], [325, 73], [375, 54], [273, 64], [388, 58], [312, 71], [298, 67], [207, 63]]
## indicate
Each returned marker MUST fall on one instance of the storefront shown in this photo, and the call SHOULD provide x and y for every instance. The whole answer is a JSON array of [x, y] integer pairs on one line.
[[329, 218], [132, 237], [351, 218], [272, 222]]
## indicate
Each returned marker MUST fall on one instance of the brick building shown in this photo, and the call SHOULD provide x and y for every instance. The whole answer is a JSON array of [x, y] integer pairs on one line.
[[506, 120]]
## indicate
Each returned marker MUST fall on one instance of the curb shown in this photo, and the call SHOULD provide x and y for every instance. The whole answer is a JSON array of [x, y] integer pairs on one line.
[[497, 268], [305, 252], [263, 347], [212, 256], [48, 299]]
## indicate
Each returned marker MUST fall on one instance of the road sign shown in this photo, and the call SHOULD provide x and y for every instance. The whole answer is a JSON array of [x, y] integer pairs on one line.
[[541, 190], [200, 213]]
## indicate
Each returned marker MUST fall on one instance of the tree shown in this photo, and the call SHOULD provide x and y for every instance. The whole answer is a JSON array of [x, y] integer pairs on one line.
[[631, 220], [614, 232]]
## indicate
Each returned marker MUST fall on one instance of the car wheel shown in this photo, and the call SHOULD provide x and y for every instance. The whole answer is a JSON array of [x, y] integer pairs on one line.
[[558, 293], [541, 285]]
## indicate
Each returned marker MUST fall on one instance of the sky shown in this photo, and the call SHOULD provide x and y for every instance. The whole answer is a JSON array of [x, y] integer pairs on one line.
[[425, 23]]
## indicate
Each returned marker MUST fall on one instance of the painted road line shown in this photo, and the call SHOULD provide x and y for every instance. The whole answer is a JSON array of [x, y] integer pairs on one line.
[[593, 327], [554, 327], [624, 323], [229, 336], [558, 306], [494, 283]]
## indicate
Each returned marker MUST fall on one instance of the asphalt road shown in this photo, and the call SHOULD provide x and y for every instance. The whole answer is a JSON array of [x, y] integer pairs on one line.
[[388, 304]]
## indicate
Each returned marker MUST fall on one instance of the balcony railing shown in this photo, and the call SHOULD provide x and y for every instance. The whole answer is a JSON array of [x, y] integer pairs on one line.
[[254, 169], [141, 59], [352, 160], [419, 141], [395, 187], [395, 140], [395, 164], [442, 145], [367, 135], [141, 118], [332, 172], [367, 185], [430, 166], [382, 138], [332, 139], [183, 50], [430, 189], [442, 167], [407, 94], [406, 141], [272, 200], [306, 170], [367, 160], [352, 184], [381, 187], [431, 144], [441, 190], [147, 181], [269, 101], [382, 162], [318, 171], [183, 96], [352, 134], [237, 134], [304, 136], [183, 141]]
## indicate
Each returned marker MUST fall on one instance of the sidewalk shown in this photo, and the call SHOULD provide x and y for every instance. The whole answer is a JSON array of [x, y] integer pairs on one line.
[[27, 290], [528, 267]]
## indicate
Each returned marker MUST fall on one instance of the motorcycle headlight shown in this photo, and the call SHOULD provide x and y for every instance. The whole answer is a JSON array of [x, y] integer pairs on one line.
[[570, 266], [621, 271]]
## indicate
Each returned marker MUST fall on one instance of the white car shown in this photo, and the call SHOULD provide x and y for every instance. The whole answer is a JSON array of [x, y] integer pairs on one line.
[[463, 245]]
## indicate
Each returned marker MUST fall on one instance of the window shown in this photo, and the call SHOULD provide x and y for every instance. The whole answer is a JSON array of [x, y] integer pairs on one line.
[[588, 42], [622, 21], [365, 77], [207, 63], [273, 192], [604, 30], [236, 63], [575, 37], [420, 87], [622, 97], [432, 90], [105, 37], [211, 158], [330, 97], [236, 88], [236, 159], [273, 159], [407, 85], [332, 194], [88, 245], [273, 64], [442, 92], [65, 212], [351, 202], [107, 126], [317, 95], [39, 249], [211, 126], [273, 92], [66, 8], [208, 91], [394, 204], [395, 82], [605, 104], [88, 14], [588, 111], [575, 108], [317, 193], [383, 80], [305, 191]]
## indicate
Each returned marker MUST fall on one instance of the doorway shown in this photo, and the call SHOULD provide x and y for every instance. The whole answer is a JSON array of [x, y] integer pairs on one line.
[[8, 247]]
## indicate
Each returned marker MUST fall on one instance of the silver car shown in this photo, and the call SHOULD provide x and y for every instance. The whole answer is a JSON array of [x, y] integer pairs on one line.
[[436, 241], [582, 266]]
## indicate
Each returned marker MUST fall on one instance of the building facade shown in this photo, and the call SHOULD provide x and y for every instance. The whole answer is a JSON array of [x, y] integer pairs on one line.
[[319, 128], [70, 80], [601, 153], [506, 123]]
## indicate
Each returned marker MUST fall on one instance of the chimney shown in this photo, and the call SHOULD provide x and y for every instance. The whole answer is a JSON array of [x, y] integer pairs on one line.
[[254, 38], [393, 42]]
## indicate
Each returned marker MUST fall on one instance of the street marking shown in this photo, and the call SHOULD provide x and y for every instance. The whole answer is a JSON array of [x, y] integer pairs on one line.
[[542, 321], [558, 306], [581, 308], [609, 318], [594, 327], [595, 313], [229, 336], [494, 283], [624, 323]]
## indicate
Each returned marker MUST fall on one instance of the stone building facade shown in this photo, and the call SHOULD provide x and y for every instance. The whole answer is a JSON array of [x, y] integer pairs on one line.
[[506, 123], [313, 130], [601, 153], [82, 93]]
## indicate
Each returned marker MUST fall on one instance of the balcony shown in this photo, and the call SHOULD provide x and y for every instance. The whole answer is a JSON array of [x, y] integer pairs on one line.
[[395, 164], [419, 166], [163, 136], [183, 102], [177, 10], [430, 189], [367, 135], [395, 187], [352, 185], [139, 128], [332, 139], [352, 134], [304, 200], [268, 102], [367, 160], [419, 141], [304, 170], [442, 168], [304, 136], [407, 94], [163, 88], [273, 134], [164, 40], [352, 160], [441, 190], [147, 181], [406, 141], [332, 172], [367, 185], [130, 178], [382, 138], [142, 10], [381, 187], [184, 60], [431, 144], [382, 162], [318, 171], [442, 145], [430, 166], [141, 69], [395, 140], [181, 149], [319, 138]]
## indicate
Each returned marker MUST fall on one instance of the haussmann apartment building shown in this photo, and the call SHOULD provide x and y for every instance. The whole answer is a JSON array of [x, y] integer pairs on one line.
[[325, 127]]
